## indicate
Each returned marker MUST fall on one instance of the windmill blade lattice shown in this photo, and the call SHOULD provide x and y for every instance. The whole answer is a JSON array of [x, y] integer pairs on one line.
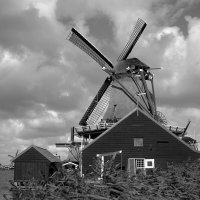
[[76, 38], [104, 94], [139, 28], [100, 107], [160, 117]]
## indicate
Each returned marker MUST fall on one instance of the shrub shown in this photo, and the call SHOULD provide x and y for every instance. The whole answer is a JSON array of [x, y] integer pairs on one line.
[[180, 181]]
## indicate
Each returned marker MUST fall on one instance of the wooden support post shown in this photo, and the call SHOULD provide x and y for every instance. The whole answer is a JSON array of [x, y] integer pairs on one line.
[[72, 134], [148, 94], [139, 90], [154, 96]]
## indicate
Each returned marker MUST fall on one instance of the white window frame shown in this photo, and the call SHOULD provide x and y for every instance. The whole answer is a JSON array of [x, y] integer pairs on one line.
[[146, 166]]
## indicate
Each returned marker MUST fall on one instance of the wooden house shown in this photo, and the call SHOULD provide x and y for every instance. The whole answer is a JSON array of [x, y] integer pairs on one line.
[[138, 137], [35, 163], [132, 131]]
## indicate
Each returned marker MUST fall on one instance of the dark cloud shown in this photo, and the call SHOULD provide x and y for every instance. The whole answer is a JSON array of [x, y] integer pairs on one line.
[[29, 88], [28, 29], [46, 83]]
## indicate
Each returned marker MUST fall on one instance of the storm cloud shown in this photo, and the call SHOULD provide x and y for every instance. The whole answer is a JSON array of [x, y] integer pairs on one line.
[[46, 83]]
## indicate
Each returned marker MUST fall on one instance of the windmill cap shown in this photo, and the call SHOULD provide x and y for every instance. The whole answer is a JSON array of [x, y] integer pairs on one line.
[[130, 64]]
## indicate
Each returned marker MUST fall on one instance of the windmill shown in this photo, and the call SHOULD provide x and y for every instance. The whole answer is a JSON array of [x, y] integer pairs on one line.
[[125, 80], [12, 157]]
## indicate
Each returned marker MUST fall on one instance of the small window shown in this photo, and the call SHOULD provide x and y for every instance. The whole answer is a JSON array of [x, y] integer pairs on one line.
[[149, 163], [139, 163], [138, 142]]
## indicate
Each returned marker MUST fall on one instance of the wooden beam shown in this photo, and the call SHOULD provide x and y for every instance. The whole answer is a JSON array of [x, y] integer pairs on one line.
[[147, 93]]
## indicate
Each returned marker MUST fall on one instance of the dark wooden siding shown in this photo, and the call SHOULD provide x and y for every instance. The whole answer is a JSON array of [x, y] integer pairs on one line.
[[30, 165], [30, 170], [158, 143]]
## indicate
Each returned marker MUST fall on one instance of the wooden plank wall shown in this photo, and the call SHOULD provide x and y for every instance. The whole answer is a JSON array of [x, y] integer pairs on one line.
[[31, 164], [158, 143], [30, 170]]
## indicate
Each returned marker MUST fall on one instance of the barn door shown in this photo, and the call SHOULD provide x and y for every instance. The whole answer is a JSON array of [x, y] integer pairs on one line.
[[131, 166]]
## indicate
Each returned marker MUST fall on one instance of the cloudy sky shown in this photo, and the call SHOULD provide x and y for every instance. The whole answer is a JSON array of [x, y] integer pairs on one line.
[[46, 83]]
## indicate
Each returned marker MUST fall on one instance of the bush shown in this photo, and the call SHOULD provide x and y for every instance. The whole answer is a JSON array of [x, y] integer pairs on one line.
[[179, 181]]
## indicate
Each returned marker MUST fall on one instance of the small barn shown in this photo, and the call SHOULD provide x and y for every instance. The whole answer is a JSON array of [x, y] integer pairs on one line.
[[137, 138], [35, 163]]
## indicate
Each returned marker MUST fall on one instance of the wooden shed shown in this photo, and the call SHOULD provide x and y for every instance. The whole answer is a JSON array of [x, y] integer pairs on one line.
[[35, 162], [137, 137]]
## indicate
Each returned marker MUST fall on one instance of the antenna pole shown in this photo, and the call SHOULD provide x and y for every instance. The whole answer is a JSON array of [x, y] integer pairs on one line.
[[154, 96], [139, 89]]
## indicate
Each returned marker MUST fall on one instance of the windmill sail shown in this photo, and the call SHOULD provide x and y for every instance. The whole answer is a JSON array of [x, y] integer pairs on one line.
[[139, 28], [98, 104], [76, 38], [100, 107], [123, 94]]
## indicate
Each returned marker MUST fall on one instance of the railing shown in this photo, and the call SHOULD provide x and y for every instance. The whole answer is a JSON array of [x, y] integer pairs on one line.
[[175, 129], [94, 127], [106, 125]]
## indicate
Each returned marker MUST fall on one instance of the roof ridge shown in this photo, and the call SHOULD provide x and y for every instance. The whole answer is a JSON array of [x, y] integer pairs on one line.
[[46, 153], [39, 147]]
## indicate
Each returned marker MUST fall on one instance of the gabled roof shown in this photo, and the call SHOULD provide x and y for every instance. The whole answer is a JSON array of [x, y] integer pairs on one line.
[[48, 155], [149, 117]]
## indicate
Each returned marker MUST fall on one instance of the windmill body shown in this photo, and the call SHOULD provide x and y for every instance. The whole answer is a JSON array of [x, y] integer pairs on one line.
[[117, 97], [128, 73]]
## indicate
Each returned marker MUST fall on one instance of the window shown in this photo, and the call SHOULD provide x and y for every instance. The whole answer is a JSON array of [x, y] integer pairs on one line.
[[138, 142], [139, 163], [149, 163]]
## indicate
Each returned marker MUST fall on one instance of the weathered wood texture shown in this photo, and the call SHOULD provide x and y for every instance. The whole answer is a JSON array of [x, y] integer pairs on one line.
[[30, 165], [33, 164], [30, 170], [158, 142]]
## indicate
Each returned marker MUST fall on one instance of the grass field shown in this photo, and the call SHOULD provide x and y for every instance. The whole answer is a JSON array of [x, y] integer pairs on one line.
[[5, 176]]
